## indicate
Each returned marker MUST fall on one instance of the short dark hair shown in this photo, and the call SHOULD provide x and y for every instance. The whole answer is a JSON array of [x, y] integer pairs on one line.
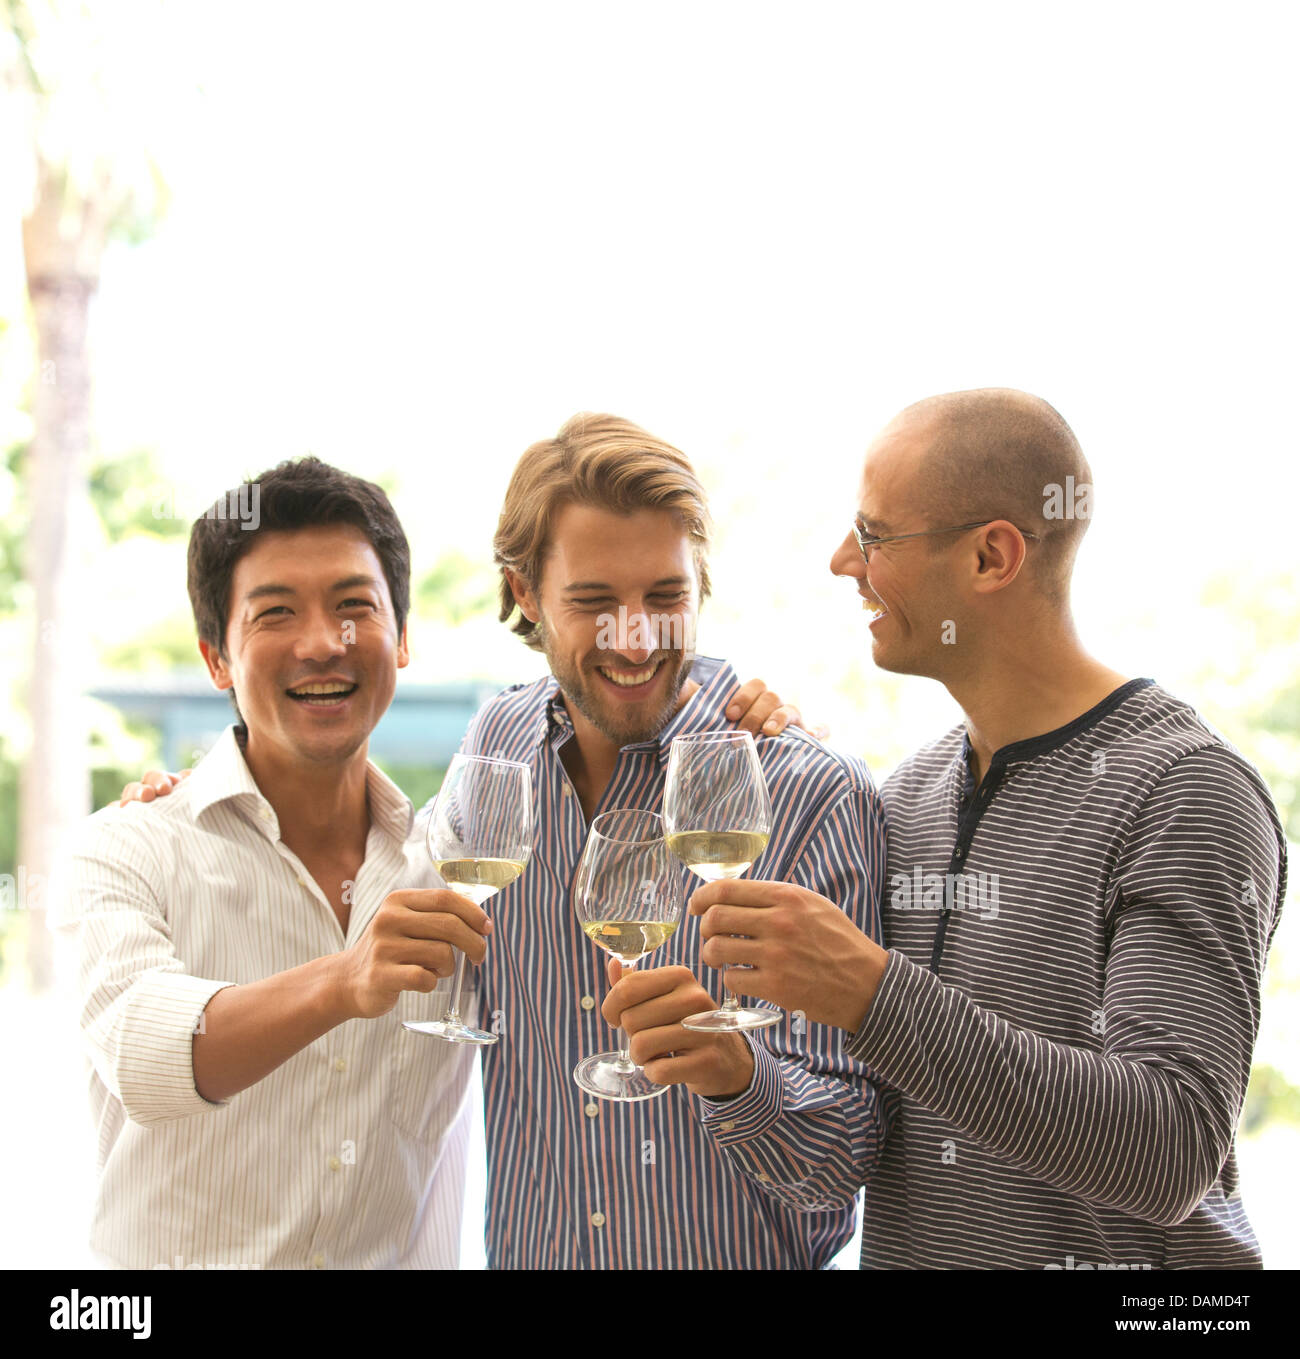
[[304, 493]]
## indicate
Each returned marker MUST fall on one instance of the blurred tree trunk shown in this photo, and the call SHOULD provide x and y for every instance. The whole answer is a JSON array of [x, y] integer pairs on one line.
[[63, 244]]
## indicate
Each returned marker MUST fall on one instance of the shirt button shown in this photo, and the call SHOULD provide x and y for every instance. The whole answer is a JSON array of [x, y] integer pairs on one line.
[[764, 1176], [302, 882], [591, 1111], [598, 1219], [568, 790], [589, 1002], [264, 813], [728, 1126], [318, 1261], [340, 1064], [335, 1163]]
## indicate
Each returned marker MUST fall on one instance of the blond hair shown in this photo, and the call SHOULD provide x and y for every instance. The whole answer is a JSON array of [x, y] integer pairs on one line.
[[601, 461]]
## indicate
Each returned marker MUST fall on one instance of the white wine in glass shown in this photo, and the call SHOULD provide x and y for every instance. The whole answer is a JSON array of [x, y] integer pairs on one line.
[[479, 836], [718, 816], [629, 899]]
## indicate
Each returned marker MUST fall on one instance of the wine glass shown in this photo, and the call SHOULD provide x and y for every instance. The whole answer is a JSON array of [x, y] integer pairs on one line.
[[718, 817], [479, 837], [629, 897]]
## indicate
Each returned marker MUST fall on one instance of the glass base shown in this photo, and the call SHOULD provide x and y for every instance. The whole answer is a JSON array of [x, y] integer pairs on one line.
[[604, 1077], [450, 1031], [732, 1021]]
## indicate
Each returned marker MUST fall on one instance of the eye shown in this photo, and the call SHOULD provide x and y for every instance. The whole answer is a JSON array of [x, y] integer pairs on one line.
[[275, 608], [670, 599], [357, 603]]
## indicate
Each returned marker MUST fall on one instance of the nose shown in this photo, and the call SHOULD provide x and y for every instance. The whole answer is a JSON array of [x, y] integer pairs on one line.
[[322, 637], [639, 643], [847, 559]]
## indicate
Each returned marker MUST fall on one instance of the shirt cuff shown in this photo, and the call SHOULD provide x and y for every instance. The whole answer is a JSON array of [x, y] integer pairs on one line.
[[882, 1015], [754, 1110], [155, 1061]]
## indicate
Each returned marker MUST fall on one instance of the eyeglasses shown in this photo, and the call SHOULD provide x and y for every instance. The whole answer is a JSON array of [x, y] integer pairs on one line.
[[866, 541]]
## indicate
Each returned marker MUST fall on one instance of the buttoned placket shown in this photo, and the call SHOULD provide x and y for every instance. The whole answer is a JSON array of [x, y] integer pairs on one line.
[[556, 732], [336, 1051], [972, 803]]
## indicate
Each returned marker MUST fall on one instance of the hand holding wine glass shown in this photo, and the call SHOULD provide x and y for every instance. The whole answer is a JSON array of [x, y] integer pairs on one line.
[[479, 837], [718, 816], [629, 898]]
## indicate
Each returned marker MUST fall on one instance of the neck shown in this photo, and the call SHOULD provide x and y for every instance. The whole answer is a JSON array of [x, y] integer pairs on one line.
[[320, 807], [1027, 681]]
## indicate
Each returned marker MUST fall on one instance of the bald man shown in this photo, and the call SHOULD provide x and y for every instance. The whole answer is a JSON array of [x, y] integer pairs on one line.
[[1083, 882]]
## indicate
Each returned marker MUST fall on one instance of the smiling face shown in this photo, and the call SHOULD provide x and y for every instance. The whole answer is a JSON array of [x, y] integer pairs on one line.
[[311, 644], [611, 588], [909, 586]]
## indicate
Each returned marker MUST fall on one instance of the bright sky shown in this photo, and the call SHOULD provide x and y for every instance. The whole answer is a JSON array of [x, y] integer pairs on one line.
[[414, 239]]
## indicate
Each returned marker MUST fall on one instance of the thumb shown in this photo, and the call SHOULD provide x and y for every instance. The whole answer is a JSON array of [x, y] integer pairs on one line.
[[614, 970]]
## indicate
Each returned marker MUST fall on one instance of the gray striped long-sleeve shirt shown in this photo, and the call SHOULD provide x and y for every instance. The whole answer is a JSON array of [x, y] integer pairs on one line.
[[1065, 1023]]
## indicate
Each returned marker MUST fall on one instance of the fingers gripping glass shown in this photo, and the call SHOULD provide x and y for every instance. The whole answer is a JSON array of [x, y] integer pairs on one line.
[[866, 541], [718, 816], [479, 837], [629, 896]]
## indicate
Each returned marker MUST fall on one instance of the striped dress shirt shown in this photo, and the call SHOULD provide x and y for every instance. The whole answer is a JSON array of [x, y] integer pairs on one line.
[[349, 1154], [1071, 997], [763, 1180]]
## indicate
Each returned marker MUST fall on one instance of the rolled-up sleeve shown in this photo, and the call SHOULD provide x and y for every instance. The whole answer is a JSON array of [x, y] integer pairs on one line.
[[139, 1007]]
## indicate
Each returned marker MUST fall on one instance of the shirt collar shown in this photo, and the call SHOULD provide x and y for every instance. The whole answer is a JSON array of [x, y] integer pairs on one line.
[[223, 775], [1019, 751], [703, 711]]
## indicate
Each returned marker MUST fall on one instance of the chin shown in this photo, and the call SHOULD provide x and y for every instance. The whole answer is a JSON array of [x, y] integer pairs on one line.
[[893, 661], [643, 723]]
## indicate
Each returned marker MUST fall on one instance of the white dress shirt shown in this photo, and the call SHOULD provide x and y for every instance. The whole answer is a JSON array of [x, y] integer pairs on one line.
[[351, 1154]]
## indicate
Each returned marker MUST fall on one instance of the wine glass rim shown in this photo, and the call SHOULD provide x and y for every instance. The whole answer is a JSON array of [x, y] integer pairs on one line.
[[702, 736], [594, 828], [487, 759]]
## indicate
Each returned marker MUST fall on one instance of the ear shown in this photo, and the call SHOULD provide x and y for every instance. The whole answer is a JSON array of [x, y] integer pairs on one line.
[[403, 650], [524, 595], [217, 668], [1000, 552]]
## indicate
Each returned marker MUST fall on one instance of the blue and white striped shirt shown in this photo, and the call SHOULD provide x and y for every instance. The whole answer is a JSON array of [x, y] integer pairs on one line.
[[762, 1181]]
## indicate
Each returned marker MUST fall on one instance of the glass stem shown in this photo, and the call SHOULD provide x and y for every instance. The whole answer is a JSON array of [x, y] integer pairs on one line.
[[458, 980], [730, 1001], [625, 1064]]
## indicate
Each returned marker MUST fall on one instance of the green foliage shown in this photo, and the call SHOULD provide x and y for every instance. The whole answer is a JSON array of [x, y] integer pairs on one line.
[[11, 535], [167, 646], [125, 492], [1270, 1097], [456, 588], [418, 782]]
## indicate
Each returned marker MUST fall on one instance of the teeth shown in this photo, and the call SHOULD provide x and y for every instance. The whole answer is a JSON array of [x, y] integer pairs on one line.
[[322, 689], [628, 681], [871, 606]]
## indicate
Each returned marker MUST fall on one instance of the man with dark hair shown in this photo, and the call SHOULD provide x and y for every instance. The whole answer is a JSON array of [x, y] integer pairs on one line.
[[1084, 880], [245, 954]]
